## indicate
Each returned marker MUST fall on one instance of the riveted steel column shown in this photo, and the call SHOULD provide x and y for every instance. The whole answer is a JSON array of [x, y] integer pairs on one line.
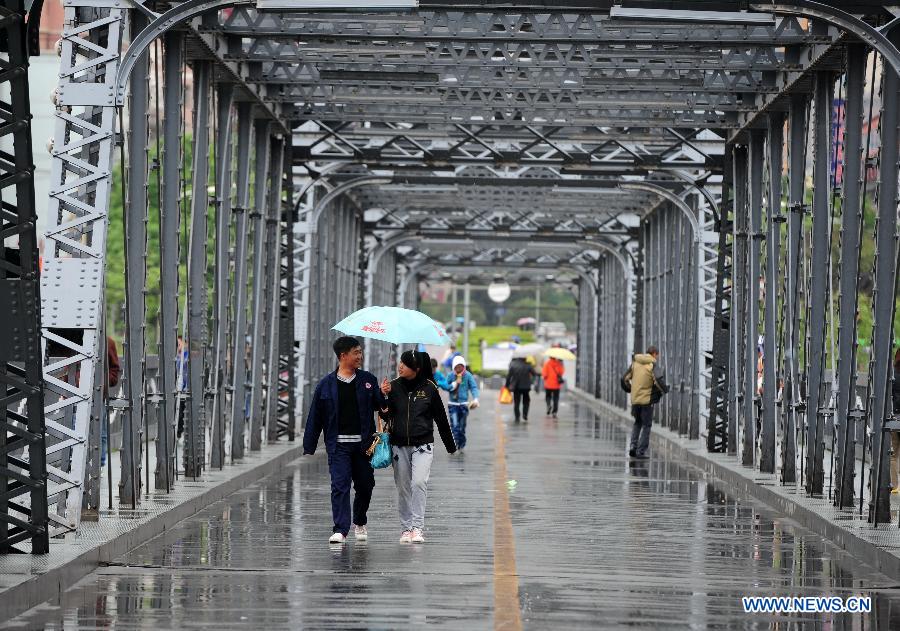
[[224, 152], [791, 398], [751, 296], [23, 485], [169, 222], [135, 214], [239, 368], [849, 252], [774, 219], [257, 309], [884, 295], [821, 242], [739, 329], [198, 333], [273, 294]]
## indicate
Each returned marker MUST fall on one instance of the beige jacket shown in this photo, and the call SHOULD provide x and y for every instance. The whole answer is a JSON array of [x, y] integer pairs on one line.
[[640, 376]]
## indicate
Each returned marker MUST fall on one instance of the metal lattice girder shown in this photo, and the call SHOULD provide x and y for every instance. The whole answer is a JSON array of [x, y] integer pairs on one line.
[[457, 27], [287, 358], [612, 150], [691, 79], [630, 115], [23, 470], [81, 175], [273, 286], [475, 99]]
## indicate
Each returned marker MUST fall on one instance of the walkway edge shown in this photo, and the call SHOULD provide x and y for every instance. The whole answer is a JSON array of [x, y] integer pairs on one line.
[[855, 536], [50, 583]]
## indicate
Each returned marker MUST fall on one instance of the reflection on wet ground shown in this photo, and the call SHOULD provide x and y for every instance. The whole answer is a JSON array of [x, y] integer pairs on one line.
[[600, 541]]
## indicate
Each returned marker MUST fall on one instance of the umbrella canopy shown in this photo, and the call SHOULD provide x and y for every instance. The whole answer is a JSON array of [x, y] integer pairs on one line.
[[529, 349], [506, 345], [524, 321], [394, 325], [559, 353]]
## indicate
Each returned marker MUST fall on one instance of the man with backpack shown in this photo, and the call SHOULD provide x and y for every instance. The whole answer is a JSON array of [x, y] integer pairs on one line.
[[646, 388]]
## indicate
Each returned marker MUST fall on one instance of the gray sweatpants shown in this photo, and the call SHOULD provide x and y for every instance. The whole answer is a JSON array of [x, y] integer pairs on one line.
[[412, 466]]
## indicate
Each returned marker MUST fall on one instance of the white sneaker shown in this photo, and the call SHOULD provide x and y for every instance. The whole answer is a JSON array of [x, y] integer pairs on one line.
[[406, 537], [417, 536], [337, 538], [361, 533]]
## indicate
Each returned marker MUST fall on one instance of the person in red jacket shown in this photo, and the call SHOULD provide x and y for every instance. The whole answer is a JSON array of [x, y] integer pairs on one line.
[[553, 379], [113, 370]]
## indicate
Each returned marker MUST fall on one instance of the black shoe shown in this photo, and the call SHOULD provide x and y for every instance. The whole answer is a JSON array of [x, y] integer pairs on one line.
[[548, 411], [524, 420], [632, 453], [517, 419]]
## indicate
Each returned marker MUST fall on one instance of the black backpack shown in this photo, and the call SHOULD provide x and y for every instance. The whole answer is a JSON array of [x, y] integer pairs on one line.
[[625, 383]]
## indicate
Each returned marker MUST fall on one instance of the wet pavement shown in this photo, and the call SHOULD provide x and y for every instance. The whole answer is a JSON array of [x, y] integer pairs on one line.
[[537, 526]]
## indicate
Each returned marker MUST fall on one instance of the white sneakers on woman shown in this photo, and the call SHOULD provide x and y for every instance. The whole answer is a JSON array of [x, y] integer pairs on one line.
[[337, 537], [362, 533], [412, 536]]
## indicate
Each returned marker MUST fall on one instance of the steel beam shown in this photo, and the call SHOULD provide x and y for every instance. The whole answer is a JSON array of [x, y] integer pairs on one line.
[[273, 286], [774, 219], [75, 246], [239, 367], [884, 296], [751, 310], [793, 407], [135, 221], [740, 288], [23, 483], [851, 237], [198, 331], [224, 153], [169, 257], [818, 285], [257, 309]]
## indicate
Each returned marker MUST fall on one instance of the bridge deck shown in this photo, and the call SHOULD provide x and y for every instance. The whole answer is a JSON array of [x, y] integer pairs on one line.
[[584, 538]]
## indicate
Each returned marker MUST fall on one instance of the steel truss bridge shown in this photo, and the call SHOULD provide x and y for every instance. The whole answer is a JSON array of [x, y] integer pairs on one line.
[[677, 162]]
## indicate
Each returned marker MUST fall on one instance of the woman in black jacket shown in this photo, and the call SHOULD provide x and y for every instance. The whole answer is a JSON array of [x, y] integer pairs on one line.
[[414, 407]]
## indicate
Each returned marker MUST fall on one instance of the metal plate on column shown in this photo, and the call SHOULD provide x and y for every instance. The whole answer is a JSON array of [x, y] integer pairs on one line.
[[70, 293]]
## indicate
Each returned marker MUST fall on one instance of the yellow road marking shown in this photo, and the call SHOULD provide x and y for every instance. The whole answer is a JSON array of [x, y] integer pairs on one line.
[[506, 579]]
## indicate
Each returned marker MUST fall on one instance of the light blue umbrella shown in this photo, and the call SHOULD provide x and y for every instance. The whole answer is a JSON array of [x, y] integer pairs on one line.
[[394, 325]]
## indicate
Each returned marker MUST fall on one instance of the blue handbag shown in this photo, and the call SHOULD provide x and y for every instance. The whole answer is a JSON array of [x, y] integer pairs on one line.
[[381, 451]]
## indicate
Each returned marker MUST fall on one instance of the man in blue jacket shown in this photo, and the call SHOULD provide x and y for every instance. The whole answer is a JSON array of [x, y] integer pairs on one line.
[[343, 406]]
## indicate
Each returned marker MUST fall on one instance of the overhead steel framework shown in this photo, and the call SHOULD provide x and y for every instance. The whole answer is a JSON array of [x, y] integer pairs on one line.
[[653, 158]]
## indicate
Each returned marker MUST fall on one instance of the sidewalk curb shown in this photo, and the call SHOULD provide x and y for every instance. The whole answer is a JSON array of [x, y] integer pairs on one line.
[[767, 489], [50, 584]]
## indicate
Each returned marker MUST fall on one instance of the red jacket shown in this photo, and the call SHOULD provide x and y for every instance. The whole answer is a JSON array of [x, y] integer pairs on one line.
[[552, 374]]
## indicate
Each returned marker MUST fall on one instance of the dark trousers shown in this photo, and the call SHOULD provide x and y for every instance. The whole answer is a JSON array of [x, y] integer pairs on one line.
[[640, 432], [522, 397], [552, 397], [349, 463]]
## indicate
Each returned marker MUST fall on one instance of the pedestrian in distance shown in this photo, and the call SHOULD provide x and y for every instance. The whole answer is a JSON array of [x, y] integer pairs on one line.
[[343, 407], [646, 389], [414, 407], [895, 436], [519, 379], [552, 375], [113, 370], [439, 378], [463, 397]]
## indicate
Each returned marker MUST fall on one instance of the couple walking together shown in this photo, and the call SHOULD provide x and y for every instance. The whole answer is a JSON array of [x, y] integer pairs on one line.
[[344, 406]]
